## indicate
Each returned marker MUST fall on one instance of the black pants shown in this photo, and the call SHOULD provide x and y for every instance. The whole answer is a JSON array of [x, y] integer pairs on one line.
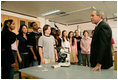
[[25, 62], [5, 66], [5, 72]]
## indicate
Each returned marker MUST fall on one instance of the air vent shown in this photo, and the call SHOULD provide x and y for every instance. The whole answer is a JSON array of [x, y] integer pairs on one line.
[[75, 21], [62, 14]]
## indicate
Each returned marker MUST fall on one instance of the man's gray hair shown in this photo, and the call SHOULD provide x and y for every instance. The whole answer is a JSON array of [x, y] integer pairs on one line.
[[99, 12]]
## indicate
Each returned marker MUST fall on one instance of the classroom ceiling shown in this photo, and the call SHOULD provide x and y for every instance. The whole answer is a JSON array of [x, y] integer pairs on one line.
[[72, 12]]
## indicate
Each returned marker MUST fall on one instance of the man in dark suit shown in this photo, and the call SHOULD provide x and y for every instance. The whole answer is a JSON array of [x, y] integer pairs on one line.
[[101, 51]]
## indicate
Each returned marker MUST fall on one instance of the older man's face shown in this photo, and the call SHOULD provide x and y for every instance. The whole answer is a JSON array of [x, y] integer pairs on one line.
[[94, 18]]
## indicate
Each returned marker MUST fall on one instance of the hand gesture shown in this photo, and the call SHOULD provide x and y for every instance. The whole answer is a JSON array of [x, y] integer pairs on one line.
[[98, 66]]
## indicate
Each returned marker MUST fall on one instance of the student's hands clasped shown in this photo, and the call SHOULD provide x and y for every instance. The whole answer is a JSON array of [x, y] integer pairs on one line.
[[86, 51]]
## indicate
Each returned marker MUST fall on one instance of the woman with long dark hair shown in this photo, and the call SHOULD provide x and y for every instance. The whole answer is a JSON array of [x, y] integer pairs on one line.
[[73, 44], [22, 47], [65, 42], [7, 58]]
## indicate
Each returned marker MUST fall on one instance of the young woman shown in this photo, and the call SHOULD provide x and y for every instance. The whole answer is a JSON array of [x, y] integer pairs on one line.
[[73, 44], [22, 47], [47, 46], [65, 42], [85, 45], [7, 58]]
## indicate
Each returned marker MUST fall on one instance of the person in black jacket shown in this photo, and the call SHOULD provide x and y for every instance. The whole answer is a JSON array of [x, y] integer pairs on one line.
[[7, 58], [101, 53], [33, 44]]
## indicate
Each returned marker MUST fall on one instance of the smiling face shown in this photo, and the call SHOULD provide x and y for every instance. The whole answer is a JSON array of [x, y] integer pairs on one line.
[[48, 31], [65, 34], [71, 35], [12, 25], [76, 33], [35, 26], [24, 29], [86, 34]]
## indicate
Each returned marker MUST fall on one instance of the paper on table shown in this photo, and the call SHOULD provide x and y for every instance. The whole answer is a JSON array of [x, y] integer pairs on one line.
[[39, 66], [45, 69]]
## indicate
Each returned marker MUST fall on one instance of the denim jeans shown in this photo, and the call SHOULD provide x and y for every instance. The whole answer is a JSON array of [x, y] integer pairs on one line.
[[35, 63], [79, 57], [12, 68]]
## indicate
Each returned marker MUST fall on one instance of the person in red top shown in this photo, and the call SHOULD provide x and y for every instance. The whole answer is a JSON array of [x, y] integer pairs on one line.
[[113, 46]]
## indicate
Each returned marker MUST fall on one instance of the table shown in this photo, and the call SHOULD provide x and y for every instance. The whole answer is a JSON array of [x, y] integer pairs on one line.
[[72, 72], [115, 60]]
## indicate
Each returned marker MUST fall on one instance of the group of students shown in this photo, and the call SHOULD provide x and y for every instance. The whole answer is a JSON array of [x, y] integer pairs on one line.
[[34, 48], [22, 46]]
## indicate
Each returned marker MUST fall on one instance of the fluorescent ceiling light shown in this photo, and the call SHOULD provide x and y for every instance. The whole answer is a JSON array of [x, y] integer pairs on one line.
[[50, 12]]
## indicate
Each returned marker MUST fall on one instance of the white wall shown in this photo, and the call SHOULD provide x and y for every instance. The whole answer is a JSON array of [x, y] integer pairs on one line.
[[85, 26], [90, 26], [113, 25], [43, 22]]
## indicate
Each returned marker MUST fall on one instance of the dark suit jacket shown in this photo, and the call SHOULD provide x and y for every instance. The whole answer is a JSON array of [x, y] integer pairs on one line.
[[101, 50]]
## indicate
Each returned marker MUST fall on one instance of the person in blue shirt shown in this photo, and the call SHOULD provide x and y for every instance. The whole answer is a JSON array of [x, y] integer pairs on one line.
[[22, 47]]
